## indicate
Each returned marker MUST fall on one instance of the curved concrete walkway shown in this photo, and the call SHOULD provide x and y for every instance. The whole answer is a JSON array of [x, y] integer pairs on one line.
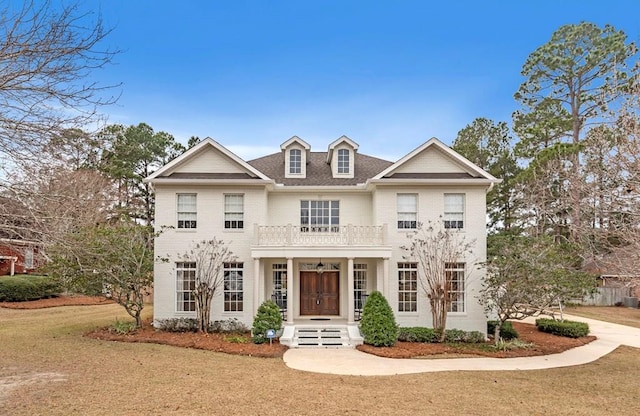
[[354, 362]]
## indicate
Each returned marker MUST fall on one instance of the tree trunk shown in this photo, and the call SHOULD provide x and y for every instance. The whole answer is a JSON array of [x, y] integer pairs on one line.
[[496, 332]]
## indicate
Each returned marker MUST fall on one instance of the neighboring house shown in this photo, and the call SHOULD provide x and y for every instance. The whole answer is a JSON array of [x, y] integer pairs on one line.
[[317, 231], [17, 256], [617, 270]]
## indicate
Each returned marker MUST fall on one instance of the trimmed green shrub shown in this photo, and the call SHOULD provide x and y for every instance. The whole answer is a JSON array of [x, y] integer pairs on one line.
[[24, 288], [378, 325], [430, 335], [507, 331], [268, 317], [570, 329], [417, 334]]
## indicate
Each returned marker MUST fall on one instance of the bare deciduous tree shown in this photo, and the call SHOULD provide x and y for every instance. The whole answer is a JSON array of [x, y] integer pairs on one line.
[[47, 205], [48, 52], [210, 257], [434, 248]]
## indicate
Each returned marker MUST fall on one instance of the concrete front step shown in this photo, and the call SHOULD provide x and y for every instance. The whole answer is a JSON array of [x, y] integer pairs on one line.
[[321, 336]]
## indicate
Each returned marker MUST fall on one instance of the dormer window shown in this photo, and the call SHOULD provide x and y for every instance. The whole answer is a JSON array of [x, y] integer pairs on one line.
[[341, 155], [296, 156], [295, 161], [343, 161]]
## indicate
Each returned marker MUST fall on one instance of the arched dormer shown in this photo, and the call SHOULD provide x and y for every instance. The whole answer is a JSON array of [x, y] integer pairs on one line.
[[341, 157], [296, 155]]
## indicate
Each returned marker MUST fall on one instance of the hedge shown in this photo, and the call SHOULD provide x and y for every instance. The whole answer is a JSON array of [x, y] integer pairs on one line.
[[23, 288], [507, 331], [430, 335], [570, 329], [417, 334]]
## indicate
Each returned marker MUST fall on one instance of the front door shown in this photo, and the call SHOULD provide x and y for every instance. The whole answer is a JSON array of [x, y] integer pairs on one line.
[[319, 293]]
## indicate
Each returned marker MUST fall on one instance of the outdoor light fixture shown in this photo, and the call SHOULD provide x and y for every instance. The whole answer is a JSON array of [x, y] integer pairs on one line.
[[320, 267]]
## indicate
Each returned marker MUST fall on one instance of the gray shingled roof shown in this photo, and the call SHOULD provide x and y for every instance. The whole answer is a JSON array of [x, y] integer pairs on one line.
[[319, 171]]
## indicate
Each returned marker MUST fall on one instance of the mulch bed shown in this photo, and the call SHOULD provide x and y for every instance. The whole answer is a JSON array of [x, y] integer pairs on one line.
[[211, 342], [543, 343], [57, 301]]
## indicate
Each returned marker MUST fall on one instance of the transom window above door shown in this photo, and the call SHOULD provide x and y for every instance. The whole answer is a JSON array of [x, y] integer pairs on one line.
[[320, 216]]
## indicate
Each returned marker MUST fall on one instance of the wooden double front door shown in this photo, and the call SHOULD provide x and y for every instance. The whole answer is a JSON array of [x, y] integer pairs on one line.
[[319, 293]]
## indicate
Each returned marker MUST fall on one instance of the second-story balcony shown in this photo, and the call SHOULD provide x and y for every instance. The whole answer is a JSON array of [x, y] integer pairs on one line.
[[342, 235]]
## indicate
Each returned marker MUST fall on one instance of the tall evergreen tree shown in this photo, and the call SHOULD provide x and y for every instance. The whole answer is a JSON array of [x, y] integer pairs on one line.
[[570, 81]]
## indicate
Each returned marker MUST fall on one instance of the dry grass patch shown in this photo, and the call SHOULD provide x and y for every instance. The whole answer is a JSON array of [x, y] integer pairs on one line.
[[615, 314], [104, 377]]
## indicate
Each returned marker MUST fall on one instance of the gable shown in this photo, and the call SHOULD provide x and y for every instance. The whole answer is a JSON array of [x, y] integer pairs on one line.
[[433, 160], [208, 160], [430, 160]]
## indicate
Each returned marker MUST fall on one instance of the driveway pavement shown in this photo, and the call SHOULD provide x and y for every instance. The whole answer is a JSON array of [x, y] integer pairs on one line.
[[353, 362]]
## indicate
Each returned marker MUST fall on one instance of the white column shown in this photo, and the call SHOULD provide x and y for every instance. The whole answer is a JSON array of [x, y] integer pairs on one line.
[[379, 278], [350, 300], [385, 277], [290, 291], [256, 285], [13, 266]]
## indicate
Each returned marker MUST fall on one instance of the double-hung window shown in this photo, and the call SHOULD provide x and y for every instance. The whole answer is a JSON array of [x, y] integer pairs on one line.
[[407, 287], [454, 273], [320, 216], [187, 211], [234, 211], [454, 211], [407, 205], [295, 161], [185, 286], [343, 161], [233, 291]]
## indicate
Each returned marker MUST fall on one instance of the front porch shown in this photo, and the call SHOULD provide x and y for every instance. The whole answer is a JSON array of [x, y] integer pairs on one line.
[[320, 297]]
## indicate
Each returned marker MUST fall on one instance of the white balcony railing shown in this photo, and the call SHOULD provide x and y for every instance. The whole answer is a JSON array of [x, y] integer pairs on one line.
[[344, 235]]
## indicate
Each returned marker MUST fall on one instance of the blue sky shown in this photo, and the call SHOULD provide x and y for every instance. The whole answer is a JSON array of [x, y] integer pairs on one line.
[[390, 75]]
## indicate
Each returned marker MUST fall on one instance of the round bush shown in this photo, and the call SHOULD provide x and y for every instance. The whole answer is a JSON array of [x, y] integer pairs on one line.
[[268, 317], [378, 325]]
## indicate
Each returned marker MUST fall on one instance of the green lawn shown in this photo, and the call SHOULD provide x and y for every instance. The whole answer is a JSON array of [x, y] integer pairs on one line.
[[56, 371]]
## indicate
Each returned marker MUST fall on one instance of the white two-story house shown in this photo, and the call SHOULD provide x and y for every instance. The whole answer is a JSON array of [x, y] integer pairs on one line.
[[317, 231]]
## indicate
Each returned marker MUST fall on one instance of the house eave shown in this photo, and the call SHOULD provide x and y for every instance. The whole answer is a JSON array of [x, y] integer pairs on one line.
[[278, 187], [433, 181], [221, 182]]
